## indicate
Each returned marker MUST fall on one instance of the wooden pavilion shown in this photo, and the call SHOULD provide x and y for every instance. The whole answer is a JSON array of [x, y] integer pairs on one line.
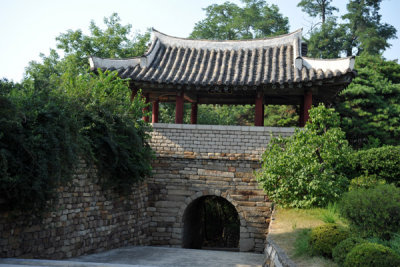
[[259, 71]]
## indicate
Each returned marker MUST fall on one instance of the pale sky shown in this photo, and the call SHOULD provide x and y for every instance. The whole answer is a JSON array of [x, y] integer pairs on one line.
[[29, 27]]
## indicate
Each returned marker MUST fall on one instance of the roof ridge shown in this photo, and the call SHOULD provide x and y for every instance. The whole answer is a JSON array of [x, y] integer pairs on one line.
[[300, 30], [293, 38]]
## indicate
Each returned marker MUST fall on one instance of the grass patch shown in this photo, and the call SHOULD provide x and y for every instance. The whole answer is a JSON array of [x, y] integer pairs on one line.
[[302, 243], [291, 228]]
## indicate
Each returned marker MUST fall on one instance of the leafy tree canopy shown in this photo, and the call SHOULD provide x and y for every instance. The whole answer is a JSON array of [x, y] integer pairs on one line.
[[365, 32], [228, 21], [317, 8], [370, 105], [309, 168], [62, 112], [326, 41], [114, 41]]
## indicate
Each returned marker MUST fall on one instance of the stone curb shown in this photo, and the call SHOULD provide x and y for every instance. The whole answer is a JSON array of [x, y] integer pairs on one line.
[[274, 255]]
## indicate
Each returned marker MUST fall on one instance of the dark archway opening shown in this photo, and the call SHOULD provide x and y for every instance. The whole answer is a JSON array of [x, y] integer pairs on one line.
[[211, 222]]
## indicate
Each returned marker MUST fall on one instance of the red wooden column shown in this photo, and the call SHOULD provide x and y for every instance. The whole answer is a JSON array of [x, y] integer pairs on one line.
[[301, 114], [146, 109], [307, 106], [155, 111], [259, 121], [179, 108], [134, 92], [193, 114]]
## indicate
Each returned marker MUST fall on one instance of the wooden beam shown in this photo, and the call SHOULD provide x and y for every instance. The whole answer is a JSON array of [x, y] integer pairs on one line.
[[192, 98]]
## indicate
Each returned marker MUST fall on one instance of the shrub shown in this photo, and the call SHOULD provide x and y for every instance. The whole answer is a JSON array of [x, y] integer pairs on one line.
[[371, 255], [373, 212], [383, 162], [393, 243], [340, 252], [44, 130], [38, 147], [309, 168], [325, 237], [365, 181]]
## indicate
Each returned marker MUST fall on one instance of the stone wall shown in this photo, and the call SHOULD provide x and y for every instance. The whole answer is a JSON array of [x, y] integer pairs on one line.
[[192, 161], [85, 220], [199, 160]]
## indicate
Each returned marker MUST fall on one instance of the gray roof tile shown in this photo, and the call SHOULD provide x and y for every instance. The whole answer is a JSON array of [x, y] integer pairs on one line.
[[179, 61]]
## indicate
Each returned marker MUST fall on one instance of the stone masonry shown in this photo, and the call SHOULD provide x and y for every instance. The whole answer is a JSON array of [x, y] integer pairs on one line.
[[192, 161], [85, 220], [199, 160]]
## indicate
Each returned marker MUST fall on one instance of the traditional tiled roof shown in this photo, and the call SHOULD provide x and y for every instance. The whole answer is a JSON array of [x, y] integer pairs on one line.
[[275, 61]]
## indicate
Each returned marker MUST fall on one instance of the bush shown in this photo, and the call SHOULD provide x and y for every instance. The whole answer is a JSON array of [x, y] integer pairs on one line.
[[39, 143], [44, 130], [371, 255], [383, 163], [324, 238], [373, 212], [309, 168], [340, 252], [365, 181], [393, 243]]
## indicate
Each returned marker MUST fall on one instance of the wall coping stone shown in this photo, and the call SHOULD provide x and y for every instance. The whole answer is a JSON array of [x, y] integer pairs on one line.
[[223, 127]]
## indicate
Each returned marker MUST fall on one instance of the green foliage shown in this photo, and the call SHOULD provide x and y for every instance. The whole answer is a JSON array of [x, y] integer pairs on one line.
[[373, 212], [45, 131], [324, 238], [302, 243], [317, 8], [370, 105], [280, 116], [309, 168], [365, 31], [340, 252], [379, 163], [393, 242], [113, 128], [330, 214], [365, 181], [228, 21], [115, 41], [371, 255], [39, 142], [326, 41], [61, 112]]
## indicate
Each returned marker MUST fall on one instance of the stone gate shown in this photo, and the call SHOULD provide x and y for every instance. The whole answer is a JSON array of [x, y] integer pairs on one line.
[[193, 161]]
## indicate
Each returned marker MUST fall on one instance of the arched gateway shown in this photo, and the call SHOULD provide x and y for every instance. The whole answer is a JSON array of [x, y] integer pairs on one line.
[[196, 161]]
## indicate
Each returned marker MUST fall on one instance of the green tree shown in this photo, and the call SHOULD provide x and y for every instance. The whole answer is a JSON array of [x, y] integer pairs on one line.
[[327, 40], [365, 31], [309, 168], [317, 8], [370, 105], [62, 112], [228, 21], [114, 41]]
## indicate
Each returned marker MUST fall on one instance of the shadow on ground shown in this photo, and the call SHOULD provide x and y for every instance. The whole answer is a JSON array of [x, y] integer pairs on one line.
[[151, 256]]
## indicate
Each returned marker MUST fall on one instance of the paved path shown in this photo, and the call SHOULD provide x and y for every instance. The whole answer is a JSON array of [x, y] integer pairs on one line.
[[150, 257]]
